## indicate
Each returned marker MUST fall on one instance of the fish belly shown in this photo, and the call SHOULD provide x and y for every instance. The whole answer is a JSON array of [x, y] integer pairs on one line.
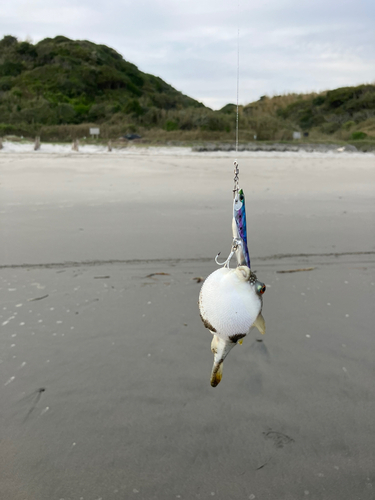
[[228, 304]]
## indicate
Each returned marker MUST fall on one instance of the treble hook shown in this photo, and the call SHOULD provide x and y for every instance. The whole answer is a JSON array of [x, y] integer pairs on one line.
[[234, 248], [226, 262]]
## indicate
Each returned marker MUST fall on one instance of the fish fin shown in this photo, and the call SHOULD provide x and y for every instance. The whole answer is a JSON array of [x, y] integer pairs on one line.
[[260, 324]]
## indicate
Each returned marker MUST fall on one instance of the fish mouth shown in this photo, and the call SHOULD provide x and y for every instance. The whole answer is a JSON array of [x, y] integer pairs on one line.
[[237, 337]]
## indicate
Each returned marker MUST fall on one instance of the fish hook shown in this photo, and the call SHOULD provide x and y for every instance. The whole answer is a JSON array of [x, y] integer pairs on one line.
[[226, 262], [233, 250]]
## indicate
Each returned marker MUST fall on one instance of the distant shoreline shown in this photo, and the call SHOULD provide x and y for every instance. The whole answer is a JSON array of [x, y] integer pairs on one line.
[[283, 147], [181, 148]]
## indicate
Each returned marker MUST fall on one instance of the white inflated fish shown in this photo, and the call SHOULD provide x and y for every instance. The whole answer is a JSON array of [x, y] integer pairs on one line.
[[230, 303]]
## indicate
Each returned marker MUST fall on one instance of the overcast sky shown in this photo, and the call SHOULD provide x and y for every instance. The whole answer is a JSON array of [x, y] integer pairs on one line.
[[285, 45]]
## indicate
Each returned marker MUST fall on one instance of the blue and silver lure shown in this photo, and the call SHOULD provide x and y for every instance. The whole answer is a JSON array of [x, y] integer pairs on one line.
[[239, 229]]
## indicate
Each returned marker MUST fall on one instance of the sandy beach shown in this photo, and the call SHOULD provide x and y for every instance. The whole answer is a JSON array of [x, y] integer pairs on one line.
[[105, 363]]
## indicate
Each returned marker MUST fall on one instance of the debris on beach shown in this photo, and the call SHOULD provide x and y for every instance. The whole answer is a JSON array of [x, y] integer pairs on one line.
[[37, 144], [38, 298], [198, 279], [34, 397], [131, 137], [278, 438], [157, 274], [296, 270]]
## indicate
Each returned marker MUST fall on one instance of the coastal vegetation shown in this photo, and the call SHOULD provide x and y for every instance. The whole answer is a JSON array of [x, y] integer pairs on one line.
[[58, 88]]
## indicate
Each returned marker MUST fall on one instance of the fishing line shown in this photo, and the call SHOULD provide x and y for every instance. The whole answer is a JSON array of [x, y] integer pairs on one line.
[[236, 243], [238, 69], [236, 167]]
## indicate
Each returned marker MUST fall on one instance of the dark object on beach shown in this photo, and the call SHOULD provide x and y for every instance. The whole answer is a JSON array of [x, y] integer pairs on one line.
[[305, 134], [101, 277], [296, 270], [278, 438], [35, 397], [131, 137], [38, 298], [198, 279], [75, 145], [109, 146], [157, 274], [37, 143], [263, 465]]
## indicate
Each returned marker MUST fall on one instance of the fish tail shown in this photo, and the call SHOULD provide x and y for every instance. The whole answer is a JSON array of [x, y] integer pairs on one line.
[[217, 373], [221, 349]]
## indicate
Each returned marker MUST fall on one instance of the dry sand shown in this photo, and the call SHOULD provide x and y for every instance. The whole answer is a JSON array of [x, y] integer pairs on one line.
[[99, 308]]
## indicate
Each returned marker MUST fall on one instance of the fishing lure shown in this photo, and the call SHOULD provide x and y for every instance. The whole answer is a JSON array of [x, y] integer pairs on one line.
[[239, 229], [230, 300]]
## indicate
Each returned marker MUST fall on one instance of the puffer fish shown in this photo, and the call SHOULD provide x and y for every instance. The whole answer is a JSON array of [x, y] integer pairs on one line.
[[230, 300], [239, 229], [230, 303]]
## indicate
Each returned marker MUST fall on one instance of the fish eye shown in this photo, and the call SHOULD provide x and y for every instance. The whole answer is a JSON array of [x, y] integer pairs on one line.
[[242, 197], [261, 288]]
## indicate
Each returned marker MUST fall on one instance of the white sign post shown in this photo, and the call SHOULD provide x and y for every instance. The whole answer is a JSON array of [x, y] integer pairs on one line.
[[95, 132]]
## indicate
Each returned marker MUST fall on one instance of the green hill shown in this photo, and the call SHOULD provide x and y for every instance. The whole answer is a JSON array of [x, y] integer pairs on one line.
[[58, 87], [345, 113], [61, 81]]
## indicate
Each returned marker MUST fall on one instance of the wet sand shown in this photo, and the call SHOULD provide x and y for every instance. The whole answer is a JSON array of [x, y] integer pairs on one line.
[[99, 308]]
